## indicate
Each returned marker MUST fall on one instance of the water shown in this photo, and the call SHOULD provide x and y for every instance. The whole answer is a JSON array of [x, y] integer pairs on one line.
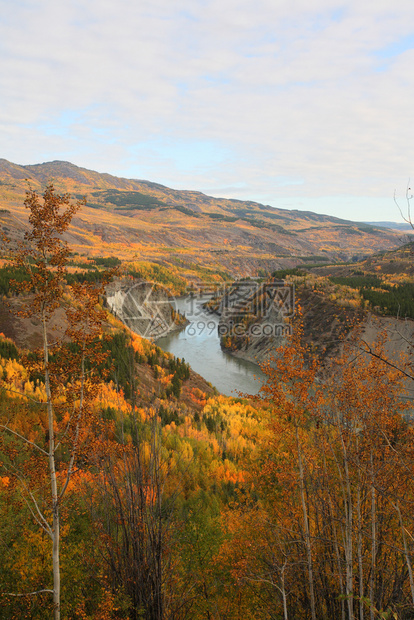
[[199, 345]]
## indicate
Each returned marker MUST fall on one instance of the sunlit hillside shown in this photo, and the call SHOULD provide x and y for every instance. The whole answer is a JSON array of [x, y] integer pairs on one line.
[[145, 221], [131, 490]]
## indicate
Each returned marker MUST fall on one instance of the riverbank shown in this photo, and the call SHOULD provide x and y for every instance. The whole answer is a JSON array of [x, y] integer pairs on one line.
[[199, 344]]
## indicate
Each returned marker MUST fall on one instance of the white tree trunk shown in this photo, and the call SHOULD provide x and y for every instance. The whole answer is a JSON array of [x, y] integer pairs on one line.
[[373, 542], [53, 479], [406, 553], [308, 544], [359, 546]]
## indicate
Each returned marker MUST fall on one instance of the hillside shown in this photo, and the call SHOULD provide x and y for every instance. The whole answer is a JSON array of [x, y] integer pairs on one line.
[[130, 490], [384, 281], [394, 265], [370, 297], [141, 220], [393, 225]]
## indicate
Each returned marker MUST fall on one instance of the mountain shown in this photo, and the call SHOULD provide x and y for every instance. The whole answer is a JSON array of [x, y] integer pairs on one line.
[[141, 220], [393, 225]]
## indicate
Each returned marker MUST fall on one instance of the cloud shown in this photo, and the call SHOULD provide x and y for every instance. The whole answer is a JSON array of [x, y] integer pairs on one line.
[[295, 101]]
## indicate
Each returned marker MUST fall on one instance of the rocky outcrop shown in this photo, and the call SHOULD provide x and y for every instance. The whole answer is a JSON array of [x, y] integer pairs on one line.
[[145, 307], [325, 326], [253, 318]]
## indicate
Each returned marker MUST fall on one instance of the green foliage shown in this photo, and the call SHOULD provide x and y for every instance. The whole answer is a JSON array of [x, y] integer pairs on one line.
[[215, 421], [109, 413], [153, 272], [176, 386], [314, 258], [222, 217], [348, 230], [199, 544], [91, 276], [168, 415], [186, 211], [181, 372], [398, 301], [262, 224], [359, 281], [128, 200], [280, 274], [179, 368], [8, 350], [109, 262], [206, 274], [8, 273], [371, 230], [82, 264], [119, 362], [117, 365], [390, 300]]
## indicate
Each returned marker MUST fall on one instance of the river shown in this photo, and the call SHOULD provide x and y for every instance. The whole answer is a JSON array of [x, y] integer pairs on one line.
[[199, 345]]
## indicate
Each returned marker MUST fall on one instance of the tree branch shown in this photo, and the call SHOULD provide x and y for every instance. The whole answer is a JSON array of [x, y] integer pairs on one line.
[[41, 521], [384, 360], [75, 443], [32, 443], [26, 593], [34, 400], [408, 198]]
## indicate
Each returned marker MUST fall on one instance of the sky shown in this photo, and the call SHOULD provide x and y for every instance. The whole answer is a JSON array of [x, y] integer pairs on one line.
[[296, 104]]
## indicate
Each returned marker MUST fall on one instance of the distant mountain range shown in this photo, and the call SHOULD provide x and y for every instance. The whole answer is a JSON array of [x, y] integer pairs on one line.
[[392, 225], [141, 220]]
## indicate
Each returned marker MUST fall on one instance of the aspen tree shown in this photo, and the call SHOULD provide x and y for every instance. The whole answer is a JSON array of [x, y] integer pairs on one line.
[[69, 388], [293, 400], [336, 479]]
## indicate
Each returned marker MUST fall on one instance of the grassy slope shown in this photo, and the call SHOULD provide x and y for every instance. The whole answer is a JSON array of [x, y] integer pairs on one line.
[[147, 221]]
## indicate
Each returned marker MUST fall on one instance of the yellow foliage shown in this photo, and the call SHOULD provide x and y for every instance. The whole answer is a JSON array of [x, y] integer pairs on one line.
[[109, 396], [137, 344]]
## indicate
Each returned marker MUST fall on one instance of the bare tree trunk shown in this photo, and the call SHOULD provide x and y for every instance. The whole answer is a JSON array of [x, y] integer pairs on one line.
[[348, 506], [53, 479], [360, 563], [406, 552], [348, 553], [341, 585], [359, 546], [140, 528], [373, 542], [158, 547], [306, 527], [335, 541], [56, 564], [284, 597]]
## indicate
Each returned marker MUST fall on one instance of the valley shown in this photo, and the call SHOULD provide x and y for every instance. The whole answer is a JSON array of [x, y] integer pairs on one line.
[[177, 502], [184, 239]]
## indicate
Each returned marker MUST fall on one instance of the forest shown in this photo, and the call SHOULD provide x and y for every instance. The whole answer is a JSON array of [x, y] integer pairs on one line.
[[393, 300], [121, 498]]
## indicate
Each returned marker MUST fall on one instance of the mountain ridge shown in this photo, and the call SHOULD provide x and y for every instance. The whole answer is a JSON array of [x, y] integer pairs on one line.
[[46, 171], [149, 221]]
